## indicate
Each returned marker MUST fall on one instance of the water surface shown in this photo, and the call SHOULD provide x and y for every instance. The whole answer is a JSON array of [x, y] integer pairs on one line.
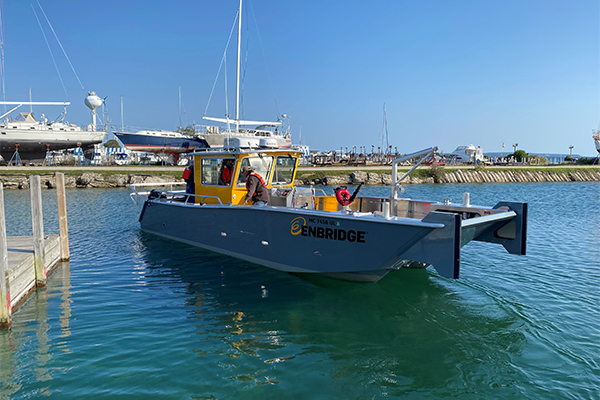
[[136, 316]]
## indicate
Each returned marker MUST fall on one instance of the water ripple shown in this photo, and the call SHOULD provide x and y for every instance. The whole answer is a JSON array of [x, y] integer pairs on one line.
[[136, 316]]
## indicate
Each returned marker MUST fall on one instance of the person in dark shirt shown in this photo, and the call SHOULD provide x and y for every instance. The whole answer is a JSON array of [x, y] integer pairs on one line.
[[257, 189]]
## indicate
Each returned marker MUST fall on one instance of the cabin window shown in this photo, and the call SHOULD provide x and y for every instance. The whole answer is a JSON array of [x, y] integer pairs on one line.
[[284, 170], [261, 165], [217, 171]]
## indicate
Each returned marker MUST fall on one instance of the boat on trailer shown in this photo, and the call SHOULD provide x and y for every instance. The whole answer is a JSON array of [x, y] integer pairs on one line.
[[308, 231]]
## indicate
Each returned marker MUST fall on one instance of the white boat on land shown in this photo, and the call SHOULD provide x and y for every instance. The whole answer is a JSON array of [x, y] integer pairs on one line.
[[34, 138], [467, 154], [306, 231], [596, 137], [264, 134]]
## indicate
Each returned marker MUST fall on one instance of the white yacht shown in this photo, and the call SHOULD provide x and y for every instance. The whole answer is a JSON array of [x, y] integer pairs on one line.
[[468, 154], [266, 136]]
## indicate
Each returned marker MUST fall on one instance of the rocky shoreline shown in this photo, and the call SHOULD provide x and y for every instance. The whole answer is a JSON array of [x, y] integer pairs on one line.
[[84, 180], [116, 179], [460, 176]]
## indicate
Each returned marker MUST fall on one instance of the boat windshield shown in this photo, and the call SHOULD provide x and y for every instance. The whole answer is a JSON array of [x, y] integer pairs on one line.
[[284, 170], [261, 164]]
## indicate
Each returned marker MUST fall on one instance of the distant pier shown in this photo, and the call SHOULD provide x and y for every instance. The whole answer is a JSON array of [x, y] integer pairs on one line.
[[26, 261]]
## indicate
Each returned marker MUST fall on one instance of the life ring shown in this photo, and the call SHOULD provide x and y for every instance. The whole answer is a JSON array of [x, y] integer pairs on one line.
[[343, 196]]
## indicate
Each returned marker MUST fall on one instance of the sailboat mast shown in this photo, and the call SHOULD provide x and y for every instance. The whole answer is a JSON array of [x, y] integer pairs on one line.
[[122, 126], [237, 85], [383, 131], [2, 52]]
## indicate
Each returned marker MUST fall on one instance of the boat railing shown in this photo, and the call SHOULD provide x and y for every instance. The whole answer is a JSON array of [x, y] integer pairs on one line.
[[185, 198], [168, 196], [139, 198], [322, 191]]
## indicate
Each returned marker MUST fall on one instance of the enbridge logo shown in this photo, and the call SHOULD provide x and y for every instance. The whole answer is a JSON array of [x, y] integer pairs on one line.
[[297, 224], [299, 227]]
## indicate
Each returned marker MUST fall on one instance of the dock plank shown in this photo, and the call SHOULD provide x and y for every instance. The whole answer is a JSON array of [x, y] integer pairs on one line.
[[21, 271]]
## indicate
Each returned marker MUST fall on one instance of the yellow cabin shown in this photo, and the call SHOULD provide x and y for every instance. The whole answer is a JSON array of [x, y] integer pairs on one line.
[[218, 177]]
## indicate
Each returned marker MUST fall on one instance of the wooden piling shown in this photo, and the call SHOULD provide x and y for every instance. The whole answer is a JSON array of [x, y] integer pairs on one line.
[[5, 305], [61, 199], [37, 222]]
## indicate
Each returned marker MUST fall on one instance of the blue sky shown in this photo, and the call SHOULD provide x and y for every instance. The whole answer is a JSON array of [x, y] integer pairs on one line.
[[451, 72]]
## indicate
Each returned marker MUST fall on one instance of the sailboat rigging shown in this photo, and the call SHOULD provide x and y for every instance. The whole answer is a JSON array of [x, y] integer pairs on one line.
[[25, 138], [257, 137]]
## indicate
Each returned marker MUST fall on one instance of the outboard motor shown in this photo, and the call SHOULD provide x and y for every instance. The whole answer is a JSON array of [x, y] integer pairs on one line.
[[155, 194]]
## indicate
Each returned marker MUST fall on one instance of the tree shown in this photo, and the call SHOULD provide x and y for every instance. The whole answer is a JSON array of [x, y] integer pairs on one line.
[[188, 130], [518, 155], [112, 143]]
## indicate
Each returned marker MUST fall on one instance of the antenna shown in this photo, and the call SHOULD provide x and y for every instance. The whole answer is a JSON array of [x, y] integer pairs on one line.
[[384, 133]]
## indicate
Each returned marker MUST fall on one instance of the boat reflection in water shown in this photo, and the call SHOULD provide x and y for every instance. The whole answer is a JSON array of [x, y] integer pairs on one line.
[[392, 327]]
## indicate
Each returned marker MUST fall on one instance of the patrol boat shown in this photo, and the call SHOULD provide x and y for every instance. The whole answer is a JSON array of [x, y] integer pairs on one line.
[[307, 231]]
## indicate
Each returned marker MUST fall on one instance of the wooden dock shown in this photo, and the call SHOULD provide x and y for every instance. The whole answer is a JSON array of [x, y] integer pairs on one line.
[[26, 261]]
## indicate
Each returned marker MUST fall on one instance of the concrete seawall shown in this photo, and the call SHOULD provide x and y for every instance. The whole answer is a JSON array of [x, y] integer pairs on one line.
[[461, 176], [107, 178]]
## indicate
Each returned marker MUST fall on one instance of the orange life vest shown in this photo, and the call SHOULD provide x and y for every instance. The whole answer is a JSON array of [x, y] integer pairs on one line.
[[226, 175], [259, 178]]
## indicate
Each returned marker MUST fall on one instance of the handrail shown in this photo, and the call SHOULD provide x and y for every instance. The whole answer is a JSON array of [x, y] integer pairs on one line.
[[136, 197], [322, 190], [189, 195], [157, 184]]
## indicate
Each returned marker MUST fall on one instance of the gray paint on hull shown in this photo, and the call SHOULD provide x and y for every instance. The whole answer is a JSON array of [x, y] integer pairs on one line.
[[263, 235]]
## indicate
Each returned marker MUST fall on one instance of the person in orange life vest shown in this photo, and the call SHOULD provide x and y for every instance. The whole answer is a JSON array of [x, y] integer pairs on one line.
[[188, 177], [226, 172], [257, 190]]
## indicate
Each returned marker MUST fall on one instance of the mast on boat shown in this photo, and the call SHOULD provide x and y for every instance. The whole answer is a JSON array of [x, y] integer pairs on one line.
[[239, 122], [237, 84], [179, 109], [384, 134]]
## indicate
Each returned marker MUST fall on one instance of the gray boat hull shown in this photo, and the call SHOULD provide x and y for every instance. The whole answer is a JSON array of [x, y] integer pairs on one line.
[[297, 240]]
